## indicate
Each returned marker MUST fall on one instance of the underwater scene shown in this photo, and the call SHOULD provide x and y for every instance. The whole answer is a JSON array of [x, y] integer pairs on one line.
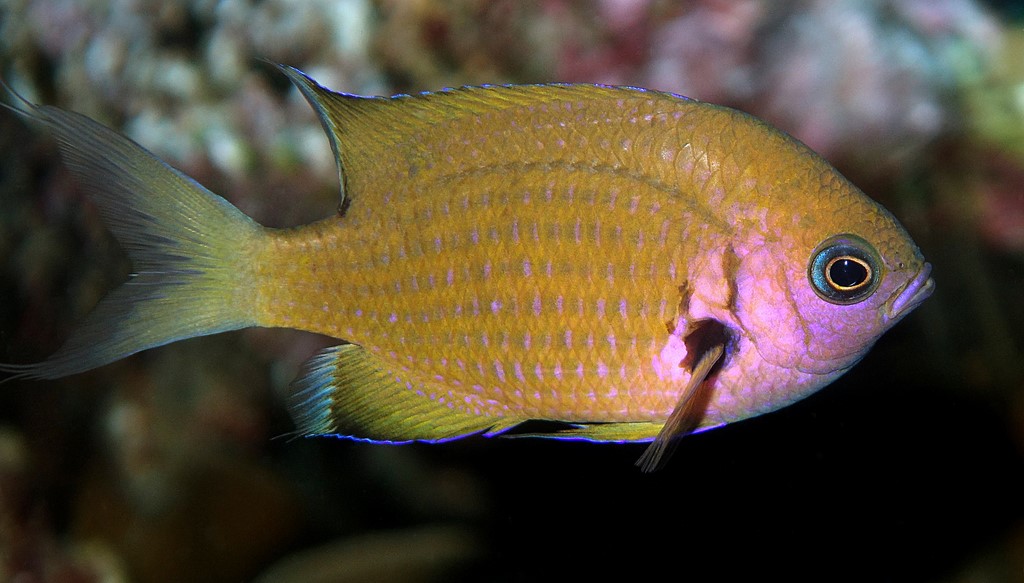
[[552, 326]]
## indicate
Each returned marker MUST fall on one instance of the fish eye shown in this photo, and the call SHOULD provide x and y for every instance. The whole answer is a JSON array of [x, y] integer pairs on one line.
[[844, 269]]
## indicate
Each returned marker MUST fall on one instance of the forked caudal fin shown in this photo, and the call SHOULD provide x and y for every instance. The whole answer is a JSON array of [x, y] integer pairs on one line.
[[190, 249]]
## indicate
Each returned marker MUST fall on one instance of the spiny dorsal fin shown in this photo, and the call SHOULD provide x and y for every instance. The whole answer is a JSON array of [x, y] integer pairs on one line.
[[368, 134]]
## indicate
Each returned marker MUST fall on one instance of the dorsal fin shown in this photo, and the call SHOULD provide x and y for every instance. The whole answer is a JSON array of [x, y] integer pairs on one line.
[[374, 135], [339, 113]]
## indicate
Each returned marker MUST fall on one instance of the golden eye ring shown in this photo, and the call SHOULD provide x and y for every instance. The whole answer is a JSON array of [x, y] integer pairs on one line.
[[848, 273], [844, 269]]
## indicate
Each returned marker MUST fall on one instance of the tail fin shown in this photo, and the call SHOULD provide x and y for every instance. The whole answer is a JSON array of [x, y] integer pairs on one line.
[[189, 249]]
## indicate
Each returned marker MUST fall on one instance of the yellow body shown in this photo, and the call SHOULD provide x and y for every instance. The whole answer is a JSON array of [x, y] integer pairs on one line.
[[500, 294], [512, 253], [523, 255], [514, 266]]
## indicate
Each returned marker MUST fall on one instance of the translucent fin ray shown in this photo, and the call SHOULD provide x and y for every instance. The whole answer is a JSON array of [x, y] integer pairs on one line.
[[347, 391], [189, 249], [688, 412]]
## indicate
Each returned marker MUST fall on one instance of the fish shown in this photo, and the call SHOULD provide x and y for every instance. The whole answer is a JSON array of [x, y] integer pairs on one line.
[[625, 264]]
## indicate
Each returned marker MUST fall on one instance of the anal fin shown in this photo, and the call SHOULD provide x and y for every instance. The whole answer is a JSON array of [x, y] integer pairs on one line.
[[347, 391], [613, 431]]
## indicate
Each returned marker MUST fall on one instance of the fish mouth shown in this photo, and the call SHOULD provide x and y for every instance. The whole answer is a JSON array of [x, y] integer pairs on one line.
[[913, 293]]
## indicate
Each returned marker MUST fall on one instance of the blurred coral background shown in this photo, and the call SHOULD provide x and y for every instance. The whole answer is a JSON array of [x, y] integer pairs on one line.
[[175, 465]]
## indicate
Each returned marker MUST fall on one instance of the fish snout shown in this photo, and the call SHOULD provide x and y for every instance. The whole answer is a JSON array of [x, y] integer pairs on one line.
[[911, 295]]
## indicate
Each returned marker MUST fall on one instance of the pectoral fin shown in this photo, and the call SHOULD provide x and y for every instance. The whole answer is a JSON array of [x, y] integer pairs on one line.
[[706, 343]]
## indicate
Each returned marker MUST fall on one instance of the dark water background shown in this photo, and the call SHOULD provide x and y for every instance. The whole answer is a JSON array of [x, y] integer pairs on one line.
[[170, 466]]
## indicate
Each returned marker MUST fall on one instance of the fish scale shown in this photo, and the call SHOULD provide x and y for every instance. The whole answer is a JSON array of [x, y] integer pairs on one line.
[[554, 278]]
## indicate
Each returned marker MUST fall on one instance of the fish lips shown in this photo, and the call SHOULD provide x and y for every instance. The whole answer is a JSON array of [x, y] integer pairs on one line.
[[911, 295]]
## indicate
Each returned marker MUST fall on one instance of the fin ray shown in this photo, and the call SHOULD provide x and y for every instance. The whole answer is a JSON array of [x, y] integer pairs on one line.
[[619, 432], [188, 248], [365, 130], [688, 412], [347, 391]]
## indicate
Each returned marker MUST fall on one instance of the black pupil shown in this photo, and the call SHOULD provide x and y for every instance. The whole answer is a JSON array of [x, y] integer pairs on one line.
[[847, 273]]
